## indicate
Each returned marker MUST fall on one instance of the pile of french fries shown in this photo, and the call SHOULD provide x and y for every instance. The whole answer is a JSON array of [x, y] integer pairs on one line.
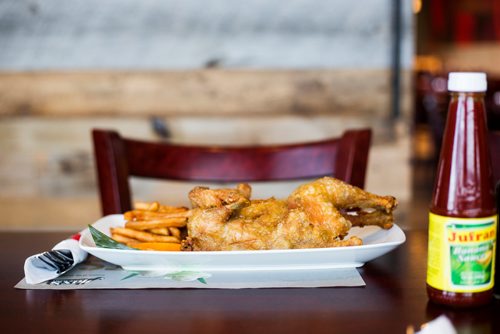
[[152, 226]]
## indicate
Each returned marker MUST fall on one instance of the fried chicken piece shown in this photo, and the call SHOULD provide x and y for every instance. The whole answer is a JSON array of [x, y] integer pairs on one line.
[[325, 199], [363, 218], [204, 197], [317, 214], [251, 227]]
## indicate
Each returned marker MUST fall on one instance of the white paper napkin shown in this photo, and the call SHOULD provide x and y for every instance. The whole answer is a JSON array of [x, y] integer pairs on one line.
[[440, 325], [35, 273], [98, 274]]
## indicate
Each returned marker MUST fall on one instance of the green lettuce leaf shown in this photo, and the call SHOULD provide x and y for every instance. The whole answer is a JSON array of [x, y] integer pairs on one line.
[[102, 240]]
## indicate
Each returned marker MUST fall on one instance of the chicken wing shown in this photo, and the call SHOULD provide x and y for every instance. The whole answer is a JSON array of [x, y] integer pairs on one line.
[[204, 197], [340, 205]]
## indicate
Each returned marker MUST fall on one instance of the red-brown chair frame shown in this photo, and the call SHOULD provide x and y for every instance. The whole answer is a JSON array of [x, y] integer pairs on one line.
[[117, 158]]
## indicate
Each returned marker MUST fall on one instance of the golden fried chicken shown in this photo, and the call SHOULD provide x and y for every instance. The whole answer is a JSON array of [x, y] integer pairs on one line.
[[336, 203], [316, 214], [231, 198]]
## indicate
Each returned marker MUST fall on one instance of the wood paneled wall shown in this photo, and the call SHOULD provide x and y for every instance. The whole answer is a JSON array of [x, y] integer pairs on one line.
[[195, 93]]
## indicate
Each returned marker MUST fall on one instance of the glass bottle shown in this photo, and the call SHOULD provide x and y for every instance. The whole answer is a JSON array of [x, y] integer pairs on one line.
[[496, 289], [463, 218]]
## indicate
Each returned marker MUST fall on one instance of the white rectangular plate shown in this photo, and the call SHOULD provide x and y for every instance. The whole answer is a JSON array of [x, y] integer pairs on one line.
[[376, 242]]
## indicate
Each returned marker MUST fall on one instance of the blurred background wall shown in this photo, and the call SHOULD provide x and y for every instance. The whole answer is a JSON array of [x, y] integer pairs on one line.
[[204, 72], [451, 35]]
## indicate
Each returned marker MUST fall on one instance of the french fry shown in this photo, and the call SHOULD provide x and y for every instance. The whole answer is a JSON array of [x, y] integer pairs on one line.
[[175, 232], [157, 207], [154, 206], [158, 246], [143, 236], [142, 205], [123, 239], [160, 230], [171, 209], [128, 216], [149, 224], [152, 226], [149, 215]]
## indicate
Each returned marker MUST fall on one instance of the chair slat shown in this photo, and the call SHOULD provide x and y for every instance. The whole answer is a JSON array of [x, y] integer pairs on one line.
[[119, 158]]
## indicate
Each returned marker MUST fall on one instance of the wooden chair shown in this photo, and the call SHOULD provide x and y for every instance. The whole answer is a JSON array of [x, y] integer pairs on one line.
[[117, 158]]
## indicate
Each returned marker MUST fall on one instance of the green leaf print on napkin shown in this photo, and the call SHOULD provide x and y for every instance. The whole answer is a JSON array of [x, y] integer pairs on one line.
[[179, 276]]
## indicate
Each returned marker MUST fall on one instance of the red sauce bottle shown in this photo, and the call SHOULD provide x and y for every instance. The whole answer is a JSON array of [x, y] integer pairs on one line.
[[463, 219]]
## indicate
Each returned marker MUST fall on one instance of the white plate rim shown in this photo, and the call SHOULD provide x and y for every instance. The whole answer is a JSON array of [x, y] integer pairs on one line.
[[401, 238]]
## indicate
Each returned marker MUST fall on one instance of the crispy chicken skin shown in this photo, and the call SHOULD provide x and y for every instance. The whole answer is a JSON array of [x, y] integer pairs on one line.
[[331, 201], [232, 198], [316, 214]]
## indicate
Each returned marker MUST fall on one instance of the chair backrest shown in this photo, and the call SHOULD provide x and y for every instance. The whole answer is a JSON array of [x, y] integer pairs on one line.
[[117, 158]]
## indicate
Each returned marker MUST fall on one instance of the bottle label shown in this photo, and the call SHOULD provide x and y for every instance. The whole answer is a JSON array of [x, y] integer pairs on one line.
[[461, 254]]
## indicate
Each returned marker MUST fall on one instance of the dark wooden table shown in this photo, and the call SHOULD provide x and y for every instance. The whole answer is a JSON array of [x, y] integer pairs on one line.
[[394, 297]]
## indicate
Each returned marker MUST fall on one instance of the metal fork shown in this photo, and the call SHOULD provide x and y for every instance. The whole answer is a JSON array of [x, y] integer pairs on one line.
[[59, 260]]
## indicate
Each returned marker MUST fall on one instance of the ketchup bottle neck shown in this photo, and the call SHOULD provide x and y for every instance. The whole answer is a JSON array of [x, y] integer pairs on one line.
[[464, 180]]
